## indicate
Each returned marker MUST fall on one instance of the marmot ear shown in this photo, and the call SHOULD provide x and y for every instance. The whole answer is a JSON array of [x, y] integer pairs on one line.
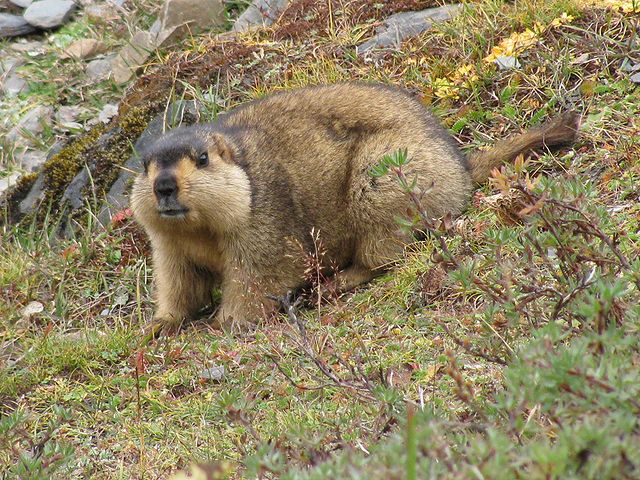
[[222, 147]]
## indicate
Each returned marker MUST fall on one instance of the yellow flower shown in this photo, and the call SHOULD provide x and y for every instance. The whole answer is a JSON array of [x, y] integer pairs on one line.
[[562, 19], [443, 88], [627, 6], [517, 43]]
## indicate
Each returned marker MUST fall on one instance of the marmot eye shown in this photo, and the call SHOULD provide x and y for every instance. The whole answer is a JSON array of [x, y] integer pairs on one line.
[[203, 160]]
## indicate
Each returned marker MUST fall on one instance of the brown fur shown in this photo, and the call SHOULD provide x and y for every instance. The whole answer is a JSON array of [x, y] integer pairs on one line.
[[294, 161]]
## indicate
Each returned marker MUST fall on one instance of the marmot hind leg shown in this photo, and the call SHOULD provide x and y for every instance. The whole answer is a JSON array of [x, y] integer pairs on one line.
[[352, 276], [376, 252]]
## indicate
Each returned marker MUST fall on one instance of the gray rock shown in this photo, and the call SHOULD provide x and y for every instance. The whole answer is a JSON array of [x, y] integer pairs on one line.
[[73, 195], [400, 26], [214, 373], [201, 13], [22, 3], [101, 13], [31, 124], [33, 48], [14, 25], [31, 160], [109, 111], [68, 114], [8, 181], [127, 62], [31, 309], [99, 70], [34, 198], [635, 78], [78, 190], [625, 66], [507, 62], [8, 64], [49, 13], [13, 85], [260, 13]]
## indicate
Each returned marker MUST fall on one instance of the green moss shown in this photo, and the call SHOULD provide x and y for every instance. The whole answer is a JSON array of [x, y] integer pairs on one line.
[[103, 154], [117, 149], [60, 169]]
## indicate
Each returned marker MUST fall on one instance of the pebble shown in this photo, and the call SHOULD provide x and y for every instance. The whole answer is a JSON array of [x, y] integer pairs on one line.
[[108, 112], [214, 373], [32, 123], [8, 181], [98, 70]]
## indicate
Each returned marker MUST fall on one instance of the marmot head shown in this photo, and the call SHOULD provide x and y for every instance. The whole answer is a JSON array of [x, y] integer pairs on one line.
[[191, 180]]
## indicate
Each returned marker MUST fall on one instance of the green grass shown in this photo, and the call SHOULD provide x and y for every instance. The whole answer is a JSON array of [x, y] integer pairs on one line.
[[500, 388]]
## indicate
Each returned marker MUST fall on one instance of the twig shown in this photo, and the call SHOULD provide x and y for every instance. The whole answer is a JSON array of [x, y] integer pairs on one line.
[[471, 351]]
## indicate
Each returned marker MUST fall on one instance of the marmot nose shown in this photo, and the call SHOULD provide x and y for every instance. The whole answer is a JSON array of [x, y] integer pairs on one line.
[[165, 186]]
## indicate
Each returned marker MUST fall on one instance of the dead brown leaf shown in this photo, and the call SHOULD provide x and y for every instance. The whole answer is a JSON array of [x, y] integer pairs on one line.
[[84, 48]]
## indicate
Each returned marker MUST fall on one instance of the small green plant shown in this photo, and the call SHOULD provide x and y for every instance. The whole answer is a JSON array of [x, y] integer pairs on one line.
[[33, 457]]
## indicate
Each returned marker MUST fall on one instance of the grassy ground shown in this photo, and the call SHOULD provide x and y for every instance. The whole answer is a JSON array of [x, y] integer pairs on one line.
[[509, 349]]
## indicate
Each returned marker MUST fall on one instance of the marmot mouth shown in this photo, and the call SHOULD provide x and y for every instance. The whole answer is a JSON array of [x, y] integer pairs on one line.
[[173, 212]]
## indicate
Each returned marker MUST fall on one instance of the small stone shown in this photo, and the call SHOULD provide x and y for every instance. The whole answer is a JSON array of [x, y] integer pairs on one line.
[[101, 13], [31, 309], [507, 62], [14, 25], [201, 13], [22, 3], [626, 65], [156, 28], [82, 335], [7, 64], [31, 124], [259, 14], [131, 57], [407, 24], [99, 69], [584, 58], [108, 112], [32, 49], [214, 373], [127, 62], [49, 13], [635, 78], [13, 85], [31, 160], [84, 48], [34, 198], [8, 181], [68, 113]]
